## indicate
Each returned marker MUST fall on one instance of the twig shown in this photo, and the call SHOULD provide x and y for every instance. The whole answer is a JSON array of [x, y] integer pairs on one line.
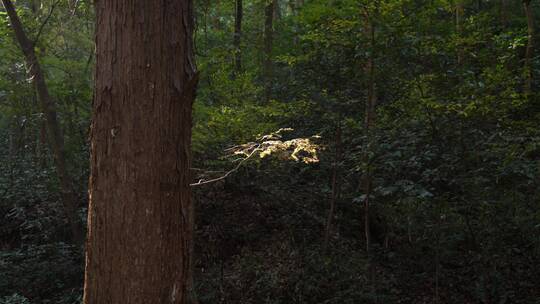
[[75, 5], [45, 22], [204, 182]]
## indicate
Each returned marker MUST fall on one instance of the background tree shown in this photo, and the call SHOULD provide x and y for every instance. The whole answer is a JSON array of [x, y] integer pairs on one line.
[[56, 139], [269, 13], [529, 53], [238, 15], [452, 156]]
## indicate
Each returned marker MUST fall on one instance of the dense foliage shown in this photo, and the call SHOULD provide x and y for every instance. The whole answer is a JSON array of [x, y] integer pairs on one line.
[[453, 152]]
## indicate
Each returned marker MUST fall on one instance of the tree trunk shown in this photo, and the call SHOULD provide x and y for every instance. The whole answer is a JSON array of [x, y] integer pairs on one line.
[[35, 5], [55, 136], [215, 17], [335, 188], [277, 10], [268, 45], [504, 13], [369, 121], [530, 47], [292, 7], [140, 215], [41, 144], [295, 5], [238, 15], [459, 29]]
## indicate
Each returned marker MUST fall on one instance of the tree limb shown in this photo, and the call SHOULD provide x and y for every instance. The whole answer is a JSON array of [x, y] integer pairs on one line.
[[45, 22], [204, 182]]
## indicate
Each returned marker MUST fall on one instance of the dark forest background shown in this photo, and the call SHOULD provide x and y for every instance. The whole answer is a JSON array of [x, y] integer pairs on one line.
[[427, 112]]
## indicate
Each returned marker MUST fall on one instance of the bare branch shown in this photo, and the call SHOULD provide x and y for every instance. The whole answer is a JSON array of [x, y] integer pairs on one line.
[[298, 149], [204, 182], [42, 26]]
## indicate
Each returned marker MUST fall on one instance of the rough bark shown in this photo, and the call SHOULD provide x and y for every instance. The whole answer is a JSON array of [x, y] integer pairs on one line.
[[140, 215], [238, 16], [55, 136], [268, 45], [530, 47]]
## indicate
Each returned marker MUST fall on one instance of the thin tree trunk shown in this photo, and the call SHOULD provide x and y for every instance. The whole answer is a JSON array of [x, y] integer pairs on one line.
[[277, 10], [369, 122], [11, 140], [530, 47], [438, 257], [504, 13], [42, 142], [459, 29], [238, 15], [140, 217], [206, 13], [335, 188], [35, 5], [268, 45], [292, 7], [55, 136]]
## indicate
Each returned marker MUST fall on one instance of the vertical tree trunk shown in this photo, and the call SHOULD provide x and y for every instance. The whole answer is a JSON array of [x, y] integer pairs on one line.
[[238, 15], [438, 256], [277, 10], [41, 144], [459, 29], [268, 45], [140, 215], [504, 13], [295, 5], [35, 6], [11, 141], [215, 17], [55, 136], [530, 47], [292, 7], [335, 187], [369, 121], [206, 10]]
